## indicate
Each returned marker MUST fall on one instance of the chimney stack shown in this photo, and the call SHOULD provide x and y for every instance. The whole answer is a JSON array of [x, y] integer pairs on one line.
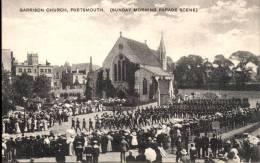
[[90, 64]]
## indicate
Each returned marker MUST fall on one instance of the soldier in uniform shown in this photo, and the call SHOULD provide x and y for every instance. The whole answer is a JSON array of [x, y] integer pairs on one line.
[[84, 125], [90, 125], [78, 125], [78, 145], [89, 153], [60, 150], [73, 124]]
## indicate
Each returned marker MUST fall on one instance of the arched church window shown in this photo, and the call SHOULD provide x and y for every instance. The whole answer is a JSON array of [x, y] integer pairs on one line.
[[115, 72], [119, 71], [144, 86], [123, 71]]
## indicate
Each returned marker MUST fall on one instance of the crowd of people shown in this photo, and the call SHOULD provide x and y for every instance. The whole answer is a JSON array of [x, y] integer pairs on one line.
[[29, 121], [122, 131]]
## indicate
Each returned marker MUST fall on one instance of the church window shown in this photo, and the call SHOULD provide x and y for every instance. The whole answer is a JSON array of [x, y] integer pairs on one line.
[[144, 86], [119, 71], [115, 72], [29, 70], [123, 71], [120, 46], [20, 70]]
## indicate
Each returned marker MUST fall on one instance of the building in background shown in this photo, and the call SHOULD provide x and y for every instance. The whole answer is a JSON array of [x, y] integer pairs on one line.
[[80, 72], [132, 65], [8, 61], [33, 68]]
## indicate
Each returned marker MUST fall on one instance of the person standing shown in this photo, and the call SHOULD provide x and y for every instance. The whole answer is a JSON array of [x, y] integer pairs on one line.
[[84, 125], [78, 125], [197, 141], [214, 145], [205, 145], [123, 149], [89, 153], [95, 152], [73, 124], [78, 145], [193, 153], [60, 150], [90, 125]]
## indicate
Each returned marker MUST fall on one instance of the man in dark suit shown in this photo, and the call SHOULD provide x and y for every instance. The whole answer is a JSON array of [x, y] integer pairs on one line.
[[95, 152], [123, 149], [89, 153], [214, 145], [130, 158], [205, 145], [60, 150]]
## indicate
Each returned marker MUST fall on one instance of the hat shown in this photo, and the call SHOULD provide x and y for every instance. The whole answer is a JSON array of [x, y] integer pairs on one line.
[[95, 141], [184, 152]]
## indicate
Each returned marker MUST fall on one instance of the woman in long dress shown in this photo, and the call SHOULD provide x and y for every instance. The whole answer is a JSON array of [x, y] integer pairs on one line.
[[109, 143], [45, 125], [70, 144], [17, 127]]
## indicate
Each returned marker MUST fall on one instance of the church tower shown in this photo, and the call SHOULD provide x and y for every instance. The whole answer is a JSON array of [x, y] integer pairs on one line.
[[162, 54]]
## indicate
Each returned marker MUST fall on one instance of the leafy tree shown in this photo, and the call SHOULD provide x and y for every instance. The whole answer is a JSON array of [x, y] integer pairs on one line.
[[42, 86], [23, 86], [189, 71], [88, 90], [222, 74], [242, 73], [99, 84], [7, 93]]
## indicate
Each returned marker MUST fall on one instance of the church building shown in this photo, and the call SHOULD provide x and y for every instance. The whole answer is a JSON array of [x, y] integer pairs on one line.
[[138, 72]]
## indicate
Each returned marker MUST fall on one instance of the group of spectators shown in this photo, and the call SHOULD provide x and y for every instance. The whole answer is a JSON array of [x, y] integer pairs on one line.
[[122, 131], [21, 122]]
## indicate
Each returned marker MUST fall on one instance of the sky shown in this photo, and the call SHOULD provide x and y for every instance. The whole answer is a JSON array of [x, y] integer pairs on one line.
[[219, 27]]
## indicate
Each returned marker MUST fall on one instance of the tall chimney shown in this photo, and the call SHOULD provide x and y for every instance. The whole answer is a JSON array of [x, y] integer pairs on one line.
[[90, 64]]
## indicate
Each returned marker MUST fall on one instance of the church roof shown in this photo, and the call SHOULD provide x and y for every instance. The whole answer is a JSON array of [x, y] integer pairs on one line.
[[135, 51], [142, 53], [156, 71]]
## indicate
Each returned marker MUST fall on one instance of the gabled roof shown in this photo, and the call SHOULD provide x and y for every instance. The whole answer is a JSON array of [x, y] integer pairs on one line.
[[135, 51], [143, 54], [157, 71], [83, 67]]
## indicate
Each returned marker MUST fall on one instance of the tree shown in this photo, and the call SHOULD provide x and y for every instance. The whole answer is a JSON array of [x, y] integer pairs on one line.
[[189, 71], [88, 90], [242, 73], [42, 86], [222, 74], [23, 86], [7, 93]]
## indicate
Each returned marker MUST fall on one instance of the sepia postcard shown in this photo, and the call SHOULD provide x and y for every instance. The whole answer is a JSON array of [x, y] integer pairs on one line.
[[130, 81]]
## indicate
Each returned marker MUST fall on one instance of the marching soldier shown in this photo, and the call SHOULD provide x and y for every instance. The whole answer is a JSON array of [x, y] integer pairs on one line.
[[84, 125], [73, 124], [78, 125]]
